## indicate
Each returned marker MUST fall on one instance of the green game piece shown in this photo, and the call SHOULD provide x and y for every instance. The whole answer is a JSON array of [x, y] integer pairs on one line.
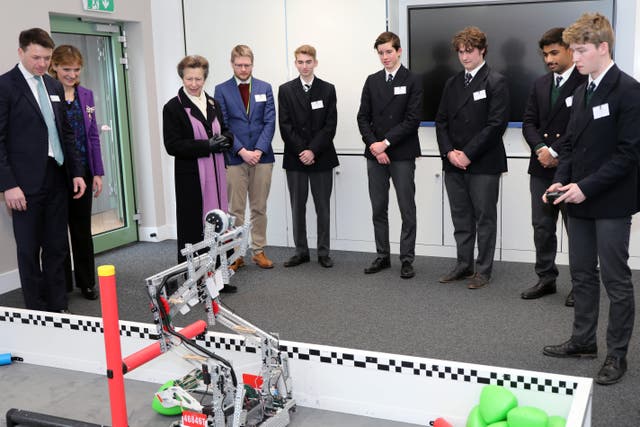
[[556, 421], [499, 424], [157, 406], [495, 403], [475, 419], [527, 416]]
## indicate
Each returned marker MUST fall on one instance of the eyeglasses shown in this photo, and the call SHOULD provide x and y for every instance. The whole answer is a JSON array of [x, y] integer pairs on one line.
[[243, 65]]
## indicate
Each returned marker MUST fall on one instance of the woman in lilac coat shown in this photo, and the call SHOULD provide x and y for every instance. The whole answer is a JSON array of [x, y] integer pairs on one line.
[[66, 64]]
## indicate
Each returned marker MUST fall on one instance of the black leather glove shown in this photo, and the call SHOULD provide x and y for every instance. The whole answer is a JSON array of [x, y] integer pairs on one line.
[[219, 144]]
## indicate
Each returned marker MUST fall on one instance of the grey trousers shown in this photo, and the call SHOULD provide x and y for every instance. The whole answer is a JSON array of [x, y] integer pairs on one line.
[[606, 241], [321, 184], [544, 217], [473, 201], [402, 173]]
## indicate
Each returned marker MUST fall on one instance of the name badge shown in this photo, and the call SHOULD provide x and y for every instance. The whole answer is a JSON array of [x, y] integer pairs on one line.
[[568, 101], [54, 98], [600, 111], [317, 104], [261, 97], [481, 94], [400, 90]]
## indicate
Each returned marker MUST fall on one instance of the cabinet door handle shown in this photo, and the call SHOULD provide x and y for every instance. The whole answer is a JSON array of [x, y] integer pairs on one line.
[[437, 175]]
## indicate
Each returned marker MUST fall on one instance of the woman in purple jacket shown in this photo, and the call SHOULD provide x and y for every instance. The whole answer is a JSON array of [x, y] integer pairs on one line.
[[66, 63]]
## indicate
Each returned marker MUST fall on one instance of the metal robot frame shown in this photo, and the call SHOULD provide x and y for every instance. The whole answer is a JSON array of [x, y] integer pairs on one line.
[[230, 402]]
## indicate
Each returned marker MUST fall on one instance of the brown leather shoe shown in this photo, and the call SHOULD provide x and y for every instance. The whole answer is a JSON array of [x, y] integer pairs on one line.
[[262, 261], [237, 264], [478, 281]]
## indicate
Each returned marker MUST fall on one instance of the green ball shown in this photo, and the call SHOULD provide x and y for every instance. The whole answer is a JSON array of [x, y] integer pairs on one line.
[[499, 424], [475, 419], [527, 416], [157, 406], [556, 421], [495, 403]]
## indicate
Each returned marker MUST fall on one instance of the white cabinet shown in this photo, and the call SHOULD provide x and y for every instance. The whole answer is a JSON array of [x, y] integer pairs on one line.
[[352, 206], [278, 209]]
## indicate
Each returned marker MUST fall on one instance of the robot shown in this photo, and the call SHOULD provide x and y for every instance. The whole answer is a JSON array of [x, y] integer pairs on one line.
[[212, 387]]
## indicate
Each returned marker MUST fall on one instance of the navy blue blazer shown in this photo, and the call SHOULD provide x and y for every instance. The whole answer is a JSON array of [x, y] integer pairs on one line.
[[391, 112], [545, 124], [251, 131], [473, 119], [308, 121], [24, 138], [602, 150]]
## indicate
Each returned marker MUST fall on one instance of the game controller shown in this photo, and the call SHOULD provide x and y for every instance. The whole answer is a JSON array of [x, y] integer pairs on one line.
[[553, 195]]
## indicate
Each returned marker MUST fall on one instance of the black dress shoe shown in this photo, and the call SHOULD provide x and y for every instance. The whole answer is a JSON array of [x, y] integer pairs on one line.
[[377, 265], [407, 271], [325, 261], [89, 293], [540, 289], [296, 260], [570, 302], [612, 370], [571, 349], [456, 274], [229, 289]]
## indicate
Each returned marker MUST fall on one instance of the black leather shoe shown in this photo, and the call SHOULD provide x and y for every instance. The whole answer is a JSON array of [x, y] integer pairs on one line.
[[540, 289], [407, 271], [570, 349], [325, 261], [229, 289], [89, 293], [478, 281], [456, 274], [377, 265], [612, 371], [570, 302], [296, 260]]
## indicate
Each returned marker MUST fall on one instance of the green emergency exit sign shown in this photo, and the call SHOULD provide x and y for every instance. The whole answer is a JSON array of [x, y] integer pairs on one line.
[[99, 5]]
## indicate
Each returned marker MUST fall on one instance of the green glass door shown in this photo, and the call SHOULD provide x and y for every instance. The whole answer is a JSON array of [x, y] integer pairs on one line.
[[113, 213]]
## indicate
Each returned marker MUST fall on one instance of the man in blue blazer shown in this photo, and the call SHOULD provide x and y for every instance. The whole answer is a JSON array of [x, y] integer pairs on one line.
[[38, 165], [598, 173], [543, 126], [249, 111]]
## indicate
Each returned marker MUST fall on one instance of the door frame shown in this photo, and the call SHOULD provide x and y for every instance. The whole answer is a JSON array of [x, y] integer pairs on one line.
[[129, 233]]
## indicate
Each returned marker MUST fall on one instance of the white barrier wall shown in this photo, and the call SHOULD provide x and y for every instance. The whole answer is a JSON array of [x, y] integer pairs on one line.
[[381, 385]]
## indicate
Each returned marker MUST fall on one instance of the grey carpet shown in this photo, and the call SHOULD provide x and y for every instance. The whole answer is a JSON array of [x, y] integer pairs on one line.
[[420, 317]]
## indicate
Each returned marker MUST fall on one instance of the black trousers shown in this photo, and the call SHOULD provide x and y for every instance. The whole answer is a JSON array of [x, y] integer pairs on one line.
[[321, 184], [473, 201], [84, 265], [603, 242], [544, 217], [41, 242], [402, 173]]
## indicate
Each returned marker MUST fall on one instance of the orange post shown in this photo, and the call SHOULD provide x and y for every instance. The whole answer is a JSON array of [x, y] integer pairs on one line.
[[110, 322]]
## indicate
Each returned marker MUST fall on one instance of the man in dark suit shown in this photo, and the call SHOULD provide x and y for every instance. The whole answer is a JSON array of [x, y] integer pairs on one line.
[[249, 111], [598, 173], [388, 119], [308, 118], [37, 162], [543, 125], [472, 117]]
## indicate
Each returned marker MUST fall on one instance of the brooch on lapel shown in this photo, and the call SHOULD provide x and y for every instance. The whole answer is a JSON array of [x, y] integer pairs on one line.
[[90, 111]]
